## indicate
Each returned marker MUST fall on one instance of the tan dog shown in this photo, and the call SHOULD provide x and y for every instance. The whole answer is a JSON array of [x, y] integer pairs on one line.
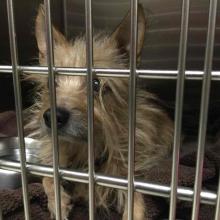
[[153, 127]]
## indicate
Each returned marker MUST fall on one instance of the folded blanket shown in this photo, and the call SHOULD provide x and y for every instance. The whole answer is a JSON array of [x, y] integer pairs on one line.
[[162, 174], [157, 208], [12, 204]]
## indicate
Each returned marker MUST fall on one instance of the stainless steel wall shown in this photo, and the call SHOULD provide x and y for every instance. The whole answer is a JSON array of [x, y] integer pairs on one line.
[[161, 47], [162, 37], [25, 12]]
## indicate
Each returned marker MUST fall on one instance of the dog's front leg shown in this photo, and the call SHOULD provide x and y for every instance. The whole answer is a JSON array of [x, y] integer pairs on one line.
[[66, 204], [139, 208]]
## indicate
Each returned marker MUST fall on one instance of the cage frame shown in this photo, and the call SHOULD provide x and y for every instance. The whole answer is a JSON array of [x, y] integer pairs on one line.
[[174, 192]]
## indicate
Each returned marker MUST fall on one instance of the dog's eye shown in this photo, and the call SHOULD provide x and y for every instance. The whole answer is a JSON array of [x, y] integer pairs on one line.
[[96, 85]]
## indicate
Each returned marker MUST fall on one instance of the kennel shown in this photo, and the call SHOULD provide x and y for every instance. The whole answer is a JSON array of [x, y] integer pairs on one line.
[[172, 191]]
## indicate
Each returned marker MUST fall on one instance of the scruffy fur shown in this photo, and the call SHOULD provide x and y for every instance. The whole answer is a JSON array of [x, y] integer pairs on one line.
[[153, 127]]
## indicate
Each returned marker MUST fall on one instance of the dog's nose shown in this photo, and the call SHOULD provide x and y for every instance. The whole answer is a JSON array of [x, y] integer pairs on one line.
[[62, 117]]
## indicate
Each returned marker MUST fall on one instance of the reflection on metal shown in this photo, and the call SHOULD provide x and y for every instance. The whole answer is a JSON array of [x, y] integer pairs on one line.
[[148, 74], [183, 193]]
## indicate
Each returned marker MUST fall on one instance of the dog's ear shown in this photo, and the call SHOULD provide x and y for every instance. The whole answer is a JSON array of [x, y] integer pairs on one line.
[[40, 32], [122, 32]]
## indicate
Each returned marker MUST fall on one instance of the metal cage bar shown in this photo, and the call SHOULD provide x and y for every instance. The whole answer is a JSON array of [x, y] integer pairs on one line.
[[183, 193], [217, 209], [1, 213], [132, 107], [147, 74], [18, 105], [65, 20], [90, 106], [52, 91], [204, 107], [179, 107]]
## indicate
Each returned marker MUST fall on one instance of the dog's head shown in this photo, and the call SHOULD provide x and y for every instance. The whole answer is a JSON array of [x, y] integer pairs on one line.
[[110, 101], [110, 94]]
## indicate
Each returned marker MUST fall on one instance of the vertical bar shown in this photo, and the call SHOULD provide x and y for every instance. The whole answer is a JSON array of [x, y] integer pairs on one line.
[[132, 107], [52, 90], [90, 104], [18, 106], [65, 24], [204, 107], [217, 209], [1, 214], [179, 106]]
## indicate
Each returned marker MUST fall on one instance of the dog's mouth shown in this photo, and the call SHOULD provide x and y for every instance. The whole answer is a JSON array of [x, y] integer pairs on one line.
[[71, 136], [69, 126], [70, 133]]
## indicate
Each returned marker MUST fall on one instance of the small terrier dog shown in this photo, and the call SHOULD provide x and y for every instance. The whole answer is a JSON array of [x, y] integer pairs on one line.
[[154, 130]]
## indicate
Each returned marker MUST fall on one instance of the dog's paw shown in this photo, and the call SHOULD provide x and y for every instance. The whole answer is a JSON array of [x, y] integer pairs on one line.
[[65, 211], [66, 207], [51, 208]]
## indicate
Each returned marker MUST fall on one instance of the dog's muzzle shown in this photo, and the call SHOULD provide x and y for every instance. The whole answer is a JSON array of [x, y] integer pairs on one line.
[[62, 117]]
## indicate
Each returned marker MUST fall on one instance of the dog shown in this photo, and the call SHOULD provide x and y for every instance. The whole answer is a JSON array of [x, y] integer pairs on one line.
[[154, 129]]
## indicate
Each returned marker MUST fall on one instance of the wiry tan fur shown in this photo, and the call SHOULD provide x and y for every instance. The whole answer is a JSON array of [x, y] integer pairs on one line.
[[153, 127]]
